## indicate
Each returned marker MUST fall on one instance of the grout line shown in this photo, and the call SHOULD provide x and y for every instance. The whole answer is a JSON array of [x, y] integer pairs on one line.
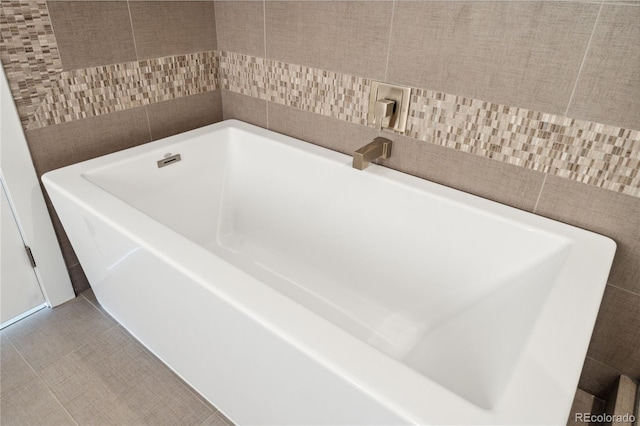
[[133, 33], [98, 308], [146, 111], [584, 59], [53, 32], [102, 311], [57, 400], [535, 207], [603, 363], [264, 25], [135, 48], [624, 289], [386, 67], [61, 357], [45, 384], [215, 22], [174, 374]]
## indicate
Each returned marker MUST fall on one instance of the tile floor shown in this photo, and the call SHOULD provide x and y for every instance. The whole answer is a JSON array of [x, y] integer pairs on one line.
[[75, 365]]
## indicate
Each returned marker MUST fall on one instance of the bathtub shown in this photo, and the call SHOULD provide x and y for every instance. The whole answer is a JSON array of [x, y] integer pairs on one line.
[[288, 288]]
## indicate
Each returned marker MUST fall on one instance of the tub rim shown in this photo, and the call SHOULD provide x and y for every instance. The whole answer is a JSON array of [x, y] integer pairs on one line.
[[396, 386]]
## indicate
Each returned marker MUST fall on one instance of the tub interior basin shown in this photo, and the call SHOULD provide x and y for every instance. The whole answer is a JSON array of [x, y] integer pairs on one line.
[[449, 290]]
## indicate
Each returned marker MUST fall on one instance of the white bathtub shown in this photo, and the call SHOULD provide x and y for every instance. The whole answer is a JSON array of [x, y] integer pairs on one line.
[[289, 288]]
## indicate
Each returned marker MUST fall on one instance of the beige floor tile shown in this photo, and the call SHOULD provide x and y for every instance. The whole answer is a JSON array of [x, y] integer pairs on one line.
[[50, 334], [91, 298], [32, 404], [166, 401], [113, 380], [217, 419], [14, 370]]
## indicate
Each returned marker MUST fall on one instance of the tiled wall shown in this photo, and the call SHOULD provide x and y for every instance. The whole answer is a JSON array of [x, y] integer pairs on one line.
[[549, 89], [514, 101], [93, 77]]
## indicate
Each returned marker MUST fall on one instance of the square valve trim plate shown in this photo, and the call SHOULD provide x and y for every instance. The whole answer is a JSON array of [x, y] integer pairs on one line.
[[401, 95]]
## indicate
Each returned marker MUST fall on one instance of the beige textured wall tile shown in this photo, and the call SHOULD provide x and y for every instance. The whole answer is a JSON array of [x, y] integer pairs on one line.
[[173, 28], [524, 54], [92, 33], [76, 274], [142, 0], [182, 114], [501, 182], [240, 27], [597, 378], [68, 254], [583, 403], [617, 332], [342, 36], [57, 146], [608, 90], [606, 212], [320, 130], [497, 181], [78, 278], [245, 108]]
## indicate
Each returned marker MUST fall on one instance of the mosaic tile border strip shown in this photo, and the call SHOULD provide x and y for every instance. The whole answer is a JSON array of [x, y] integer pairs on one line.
[[328, 93], [593, 153], [597, 154], [100, 90], [29, 53]]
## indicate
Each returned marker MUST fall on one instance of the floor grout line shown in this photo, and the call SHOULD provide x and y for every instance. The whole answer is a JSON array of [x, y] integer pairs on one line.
[[41, 380], [162, 364], [208, 409], [155, 357], [94, 338]]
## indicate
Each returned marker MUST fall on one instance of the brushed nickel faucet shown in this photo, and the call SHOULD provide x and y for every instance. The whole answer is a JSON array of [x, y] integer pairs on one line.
[[378, 148]]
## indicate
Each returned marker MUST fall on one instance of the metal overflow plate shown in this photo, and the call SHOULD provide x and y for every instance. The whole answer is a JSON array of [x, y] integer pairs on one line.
[[169, 159]]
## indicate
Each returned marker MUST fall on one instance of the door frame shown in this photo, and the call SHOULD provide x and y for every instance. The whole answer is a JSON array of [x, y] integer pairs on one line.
[[28, 204], [21, 292]]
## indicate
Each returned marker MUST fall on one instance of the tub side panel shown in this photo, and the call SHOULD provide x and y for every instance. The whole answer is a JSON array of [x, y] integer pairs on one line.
[[251, 374]]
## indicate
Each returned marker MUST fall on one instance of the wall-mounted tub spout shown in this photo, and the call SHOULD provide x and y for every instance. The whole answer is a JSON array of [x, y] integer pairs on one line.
[[378, 148]]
